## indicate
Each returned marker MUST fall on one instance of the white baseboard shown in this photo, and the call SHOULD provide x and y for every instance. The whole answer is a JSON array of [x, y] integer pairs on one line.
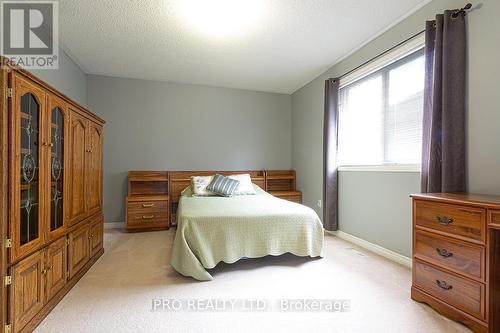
[[114, 225], [382, 251]]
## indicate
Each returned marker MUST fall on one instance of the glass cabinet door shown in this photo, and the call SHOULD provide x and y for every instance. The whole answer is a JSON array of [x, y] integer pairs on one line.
[[30, 168], [26, 213], [57, 130]]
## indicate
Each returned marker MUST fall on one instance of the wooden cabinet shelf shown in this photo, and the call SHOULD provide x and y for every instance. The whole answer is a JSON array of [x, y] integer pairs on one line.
[[281, 184], [148, 197]]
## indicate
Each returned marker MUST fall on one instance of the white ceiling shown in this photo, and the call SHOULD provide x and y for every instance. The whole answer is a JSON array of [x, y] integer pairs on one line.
[[280, 47]]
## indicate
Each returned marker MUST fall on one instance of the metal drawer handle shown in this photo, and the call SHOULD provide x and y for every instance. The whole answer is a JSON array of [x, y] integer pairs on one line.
[[444, 285], [147, 217], [444, 220], [148, 205], [444, 253]]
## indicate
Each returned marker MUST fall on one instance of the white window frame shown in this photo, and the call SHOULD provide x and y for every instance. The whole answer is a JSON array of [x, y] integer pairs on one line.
[[414, 44]]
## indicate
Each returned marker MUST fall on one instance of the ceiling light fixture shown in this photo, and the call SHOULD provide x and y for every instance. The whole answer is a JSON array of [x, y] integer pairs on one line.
[[221, 18]]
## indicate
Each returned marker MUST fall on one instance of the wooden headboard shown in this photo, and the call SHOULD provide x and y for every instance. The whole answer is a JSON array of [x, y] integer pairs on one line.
[[179, 180]]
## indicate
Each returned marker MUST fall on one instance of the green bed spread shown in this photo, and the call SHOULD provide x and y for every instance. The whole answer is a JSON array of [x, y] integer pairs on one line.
[[215, 229]]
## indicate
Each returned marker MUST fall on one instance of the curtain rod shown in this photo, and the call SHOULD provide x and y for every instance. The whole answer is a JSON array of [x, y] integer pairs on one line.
[[378, 55], [457, 12]]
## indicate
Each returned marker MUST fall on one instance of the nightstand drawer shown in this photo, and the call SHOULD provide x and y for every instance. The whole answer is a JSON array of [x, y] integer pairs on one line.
[[462, 293], [294, 196], [463, 221], [144, 206], [466, 259], [147, 217]]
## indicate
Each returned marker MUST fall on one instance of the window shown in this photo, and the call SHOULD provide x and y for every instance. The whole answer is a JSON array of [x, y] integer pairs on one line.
[[380, 113]]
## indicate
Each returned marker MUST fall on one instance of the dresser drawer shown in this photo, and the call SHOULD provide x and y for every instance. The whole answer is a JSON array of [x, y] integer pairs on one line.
[[455, 220], [452, 254], [462, 293]]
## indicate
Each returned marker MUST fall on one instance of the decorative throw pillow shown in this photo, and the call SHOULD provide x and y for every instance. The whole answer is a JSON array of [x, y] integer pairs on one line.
[[224, 186], [246, 186], [199, 186]]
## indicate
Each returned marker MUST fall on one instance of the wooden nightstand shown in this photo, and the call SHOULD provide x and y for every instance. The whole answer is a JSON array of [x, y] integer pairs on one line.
[[281, 184], [147, 203]]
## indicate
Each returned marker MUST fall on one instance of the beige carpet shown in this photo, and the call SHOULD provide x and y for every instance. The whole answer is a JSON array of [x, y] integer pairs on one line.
[[116, 294]]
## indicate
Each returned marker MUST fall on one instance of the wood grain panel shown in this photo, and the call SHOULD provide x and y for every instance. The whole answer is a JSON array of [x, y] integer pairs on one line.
[[96, 236], [462, 221], [460, 257], [78, 151], [27, 290], [56, 267], [79, 252], [464, 294], [93, 168]]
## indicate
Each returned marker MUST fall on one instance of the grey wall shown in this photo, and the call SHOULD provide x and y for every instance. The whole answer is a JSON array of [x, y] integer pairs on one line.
[[69, 78], [169, 126], [375, 206]]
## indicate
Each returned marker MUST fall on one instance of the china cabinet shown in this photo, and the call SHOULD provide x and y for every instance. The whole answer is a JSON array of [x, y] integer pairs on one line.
[[50, 196]]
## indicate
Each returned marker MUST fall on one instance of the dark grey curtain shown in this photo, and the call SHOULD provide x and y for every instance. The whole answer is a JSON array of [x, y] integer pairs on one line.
[[443, 144], [330, 139]]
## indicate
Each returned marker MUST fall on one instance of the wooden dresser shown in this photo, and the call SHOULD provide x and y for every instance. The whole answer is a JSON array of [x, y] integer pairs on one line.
[[456, 267], [148, 201], [281, 184], [50, 196]]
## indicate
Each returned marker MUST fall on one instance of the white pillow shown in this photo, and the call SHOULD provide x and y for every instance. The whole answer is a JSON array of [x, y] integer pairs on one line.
[[199, 186], [245, 186]]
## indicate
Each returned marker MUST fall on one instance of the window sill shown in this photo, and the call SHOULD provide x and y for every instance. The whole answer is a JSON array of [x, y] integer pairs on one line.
[[382, 168]]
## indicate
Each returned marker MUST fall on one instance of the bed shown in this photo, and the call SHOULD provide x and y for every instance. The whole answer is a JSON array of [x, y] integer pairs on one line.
[[215, 229]]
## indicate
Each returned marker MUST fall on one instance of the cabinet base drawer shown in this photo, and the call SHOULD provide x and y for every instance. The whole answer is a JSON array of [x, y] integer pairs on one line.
[[462, 293]]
